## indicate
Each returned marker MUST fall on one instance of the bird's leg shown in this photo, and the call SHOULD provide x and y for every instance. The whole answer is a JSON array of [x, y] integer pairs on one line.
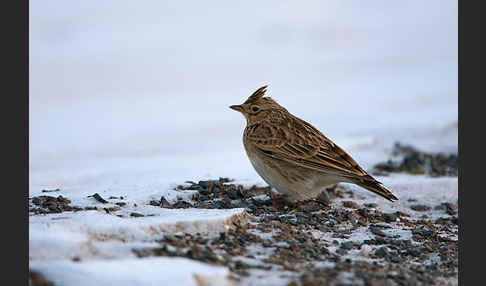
[[271, 194], [275, 196]]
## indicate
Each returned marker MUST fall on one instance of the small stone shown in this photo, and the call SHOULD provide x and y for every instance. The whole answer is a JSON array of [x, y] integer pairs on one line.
[[99, 198], [36, 201], [54, 208], [203, 197], [49, 191], [390, 217], [62, 200], [164, 203], [111, 209], [232, 194], [154, 203], [414, 252], [420, 208], [203, 191], [371, 205], [136, 215], [382, 252], [351, 204], [325, 251], [377, 231], [324, 228], [347, 245], [400, 214], [341, 251], [204, 184], [449, 208]]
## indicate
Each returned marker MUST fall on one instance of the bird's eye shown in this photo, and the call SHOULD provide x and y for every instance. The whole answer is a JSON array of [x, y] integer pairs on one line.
[[255, 108]]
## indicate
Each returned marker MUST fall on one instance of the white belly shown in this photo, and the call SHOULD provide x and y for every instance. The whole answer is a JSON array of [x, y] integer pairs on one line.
[[309, 187]]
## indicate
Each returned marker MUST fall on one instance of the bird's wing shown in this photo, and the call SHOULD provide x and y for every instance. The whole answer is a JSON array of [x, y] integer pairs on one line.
[[300, 143]]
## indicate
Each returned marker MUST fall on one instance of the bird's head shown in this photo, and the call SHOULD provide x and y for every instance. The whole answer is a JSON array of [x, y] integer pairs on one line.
[[257, 108]]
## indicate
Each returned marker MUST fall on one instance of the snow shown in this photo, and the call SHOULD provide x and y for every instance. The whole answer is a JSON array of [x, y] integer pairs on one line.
[[100, 225], [145, 271], [270, 278], [132, 99], [412, 190], [104, 116], [69, 234], [105, 243]]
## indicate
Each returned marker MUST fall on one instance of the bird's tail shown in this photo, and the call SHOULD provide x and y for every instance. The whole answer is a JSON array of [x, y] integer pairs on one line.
[[377, 188]]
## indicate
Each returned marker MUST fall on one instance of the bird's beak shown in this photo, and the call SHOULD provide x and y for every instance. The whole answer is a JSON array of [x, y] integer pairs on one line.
[[237, 108]]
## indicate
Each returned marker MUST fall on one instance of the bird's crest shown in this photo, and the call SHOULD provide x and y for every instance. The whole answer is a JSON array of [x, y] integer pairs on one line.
[[259, 93]]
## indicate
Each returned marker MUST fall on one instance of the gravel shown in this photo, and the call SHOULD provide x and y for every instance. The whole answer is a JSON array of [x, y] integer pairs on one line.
[[411, 160], [352, 238], [297, 238]]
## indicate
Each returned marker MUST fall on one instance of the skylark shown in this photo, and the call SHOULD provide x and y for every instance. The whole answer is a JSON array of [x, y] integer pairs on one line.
[[293, 157]]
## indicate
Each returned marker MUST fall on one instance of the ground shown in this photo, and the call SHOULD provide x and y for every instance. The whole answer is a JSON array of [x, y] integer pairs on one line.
[[233, 234]]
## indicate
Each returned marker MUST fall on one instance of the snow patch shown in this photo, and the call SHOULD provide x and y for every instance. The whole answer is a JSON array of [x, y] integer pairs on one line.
[[145, 271]]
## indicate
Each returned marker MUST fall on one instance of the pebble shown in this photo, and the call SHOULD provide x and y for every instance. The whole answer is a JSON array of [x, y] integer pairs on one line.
[[341, 251], [382, 252], [97, 197], [232, 194], [420, 208], [371, 205], [347, 245], [414, 251], [136, 215], [164, 203], [417, 162], [351, 204], [377, 231], [365, 250], [390, 217], [49, 191]]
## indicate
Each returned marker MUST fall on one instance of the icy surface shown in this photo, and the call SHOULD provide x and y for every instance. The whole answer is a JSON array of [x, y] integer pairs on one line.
[[49, 232], [411, 190], [146, 271]]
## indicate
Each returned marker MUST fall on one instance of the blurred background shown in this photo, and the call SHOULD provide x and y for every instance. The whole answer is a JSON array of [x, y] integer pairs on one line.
[[135, 94]]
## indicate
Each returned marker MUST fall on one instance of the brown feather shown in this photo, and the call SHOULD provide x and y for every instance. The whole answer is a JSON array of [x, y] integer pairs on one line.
[[259, 93], [293, 156], [304, 145]]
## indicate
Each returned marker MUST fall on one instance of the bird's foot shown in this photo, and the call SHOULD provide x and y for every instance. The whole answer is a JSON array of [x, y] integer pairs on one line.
[[275, 196]]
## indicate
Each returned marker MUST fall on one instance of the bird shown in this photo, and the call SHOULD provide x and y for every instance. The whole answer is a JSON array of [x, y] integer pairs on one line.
[[295, 158]]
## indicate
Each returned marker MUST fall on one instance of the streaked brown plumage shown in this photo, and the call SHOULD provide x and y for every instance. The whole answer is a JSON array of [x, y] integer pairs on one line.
[[292, 156]]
